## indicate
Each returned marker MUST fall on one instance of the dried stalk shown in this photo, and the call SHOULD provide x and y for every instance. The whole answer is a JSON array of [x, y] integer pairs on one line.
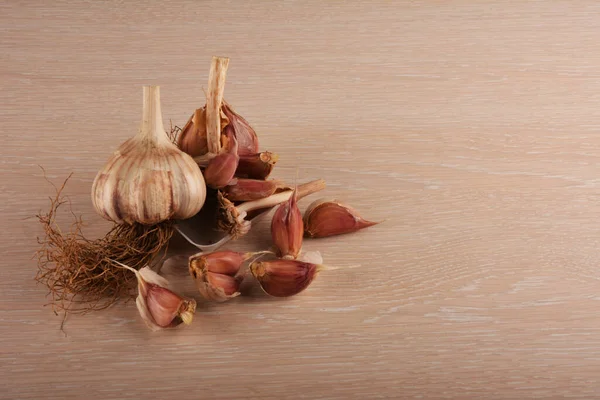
[[214, 98]]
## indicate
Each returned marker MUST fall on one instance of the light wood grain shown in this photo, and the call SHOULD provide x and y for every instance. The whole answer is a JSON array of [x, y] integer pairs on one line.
[[471, 127]]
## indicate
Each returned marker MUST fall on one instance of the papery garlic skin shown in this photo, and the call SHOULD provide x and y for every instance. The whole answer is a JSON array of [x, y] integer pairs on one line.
[[328, 217], [148, 179]]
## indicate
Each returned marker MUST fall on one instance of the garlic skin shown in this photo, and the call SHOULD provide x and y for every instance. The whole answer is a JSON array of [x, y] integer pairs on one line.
[[148, 179], [287, 228], [328, 217], [284, 278]]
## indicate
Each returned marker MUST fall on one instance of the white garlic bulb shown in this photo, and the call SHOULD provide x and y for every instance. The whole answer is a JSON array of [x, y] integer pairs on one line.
[[148, 179]]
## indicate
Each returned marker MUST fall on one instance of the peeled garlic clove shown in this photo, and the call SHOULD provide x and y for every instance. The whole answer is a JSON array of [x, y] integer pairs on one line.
[[251, 189], [148, 179], [245, 135], [284, 278], [326, 217], [287, 228], [159, 306], [257, 165]]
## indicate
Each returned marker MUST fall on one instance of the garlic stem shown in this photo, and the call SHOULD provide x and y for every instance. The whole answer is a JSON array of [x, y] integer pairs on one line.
[[152, 128], [214, 98], [278, 198]]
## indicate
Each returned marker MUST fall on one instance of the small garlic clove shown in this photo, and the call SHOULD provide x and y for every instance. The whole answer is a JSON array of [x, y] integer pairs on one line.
[[251, 189], [222, 262], [284, 278], [287, 228], [217, 274], [159, 306], [257, 165], [244, 133], [228, 284], [192, 138], [217, 287], [220, 170], [325, 218], [164, 306]]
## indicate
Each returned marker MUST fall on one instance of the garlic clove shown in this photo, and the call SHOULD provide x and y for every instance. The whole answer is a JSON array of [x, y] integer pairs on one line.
[[148, 179], [284, 278], [192, 138], [223, 262], [164, 306], [257, 165], [221, 169], [158, 306], [245, 135], [325, 218], [218, 287], [217, 274], [287, 228], [228, 284], [251, 189]]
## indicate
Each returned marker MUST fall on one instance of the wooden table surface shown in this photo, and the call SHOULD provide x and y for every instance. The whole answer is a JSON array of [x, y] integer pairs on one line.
[[472, 128]]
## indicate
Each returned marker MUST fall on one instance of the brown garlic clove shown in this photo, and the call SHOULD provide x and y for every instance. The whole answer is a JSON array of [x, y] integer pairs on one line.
[[217, 274], [257, 165], [287, 228], [284, 278], [325, 218], [234, 219], [220, 170], [192, 138], [159, 306], [251, 189], [245, 135]]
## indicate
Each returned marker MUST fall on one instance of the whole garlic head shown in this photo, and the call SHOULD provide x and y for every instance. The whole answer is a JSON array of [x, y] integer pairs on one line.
[[148, 179]]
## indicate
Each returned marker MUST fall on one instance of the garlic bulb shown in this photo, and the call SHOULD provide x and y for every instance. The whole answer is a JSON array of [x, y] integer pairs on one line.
[[148, 179]]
